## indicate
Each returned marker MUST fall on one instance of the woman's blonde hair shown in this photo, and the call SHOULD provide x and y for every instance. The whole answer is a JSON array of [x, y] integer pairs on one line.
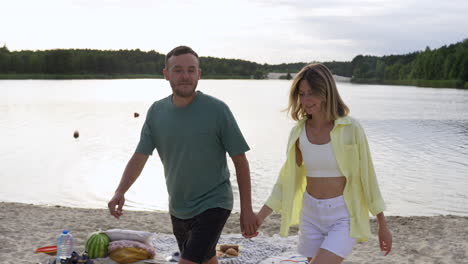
[[320, 80]]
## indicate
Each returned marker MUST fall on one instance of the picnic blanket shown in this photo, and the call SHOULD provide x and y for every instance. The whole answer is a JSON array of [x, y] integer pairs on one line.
[[252, 251], [258, 250]]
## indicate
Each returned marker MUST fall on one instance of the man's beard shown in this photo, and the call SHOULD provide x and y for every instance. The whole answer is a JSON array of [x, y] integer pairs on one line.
[[185, 92]]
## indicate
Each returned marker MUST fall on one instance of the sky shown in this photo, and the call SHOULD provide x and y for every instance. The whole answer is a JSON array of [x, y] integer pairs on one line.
[[263, 31]]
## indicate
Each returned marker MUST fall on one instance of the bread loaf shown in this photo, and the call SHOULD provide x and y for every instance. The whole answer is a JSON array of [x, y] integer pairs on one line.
[[224, 247]]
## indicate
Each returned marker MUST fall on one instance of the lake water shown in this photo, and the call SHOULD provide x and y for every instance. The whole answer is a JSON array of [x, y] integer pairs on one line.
[[418, 138]]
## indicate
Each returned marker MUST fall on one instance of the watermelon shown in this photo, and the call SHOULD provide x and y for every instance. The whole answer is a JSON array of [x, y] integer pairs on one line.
[[97, 244], [50, 250]]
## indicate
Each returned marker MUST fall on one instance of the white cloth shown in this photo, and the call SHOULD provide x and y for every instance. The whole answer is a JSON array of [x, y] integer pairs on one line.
[[324, 224], [319, 160], [123, 234]]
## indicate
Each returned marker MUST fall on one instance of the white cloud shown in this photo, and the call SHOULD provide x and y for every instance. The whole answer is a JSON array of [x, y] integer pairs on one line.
[[259, 30]]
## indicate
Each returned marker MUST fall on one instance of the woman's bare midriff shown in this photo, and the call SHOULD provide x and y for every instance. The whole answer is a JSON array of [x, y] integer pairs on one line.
[[325, 188]]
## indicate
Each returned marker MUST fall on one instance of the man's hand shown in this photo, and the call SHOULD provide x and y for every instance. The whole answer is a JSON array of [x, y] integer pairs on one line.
[[248, 221], [134, 167], [116, 204]]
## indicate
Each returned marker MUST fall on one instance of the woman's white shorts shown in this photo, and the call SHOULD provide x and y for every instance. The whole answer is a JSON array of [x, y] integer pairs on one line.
[[324, 224]]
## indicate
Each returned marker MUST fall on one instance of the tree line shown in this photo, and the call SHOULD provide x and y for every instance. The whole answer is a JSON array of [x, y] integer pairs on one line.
[[446, 66], [80, 61], [116, 63]]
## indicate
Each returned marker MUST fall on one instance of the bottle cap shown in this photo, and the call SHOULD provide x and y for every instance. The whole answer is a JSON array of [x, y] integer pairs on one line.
[[65, 231]]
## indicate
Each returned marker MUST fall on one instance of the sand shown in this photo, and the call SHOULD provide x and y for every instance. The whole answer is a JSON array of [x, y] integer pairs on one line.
[[417, 239]]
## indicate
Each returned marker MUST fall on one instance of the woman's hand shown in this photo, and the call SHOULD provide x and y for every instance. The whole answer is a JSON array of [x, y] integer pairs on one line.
[[385, 239], [259, 220]]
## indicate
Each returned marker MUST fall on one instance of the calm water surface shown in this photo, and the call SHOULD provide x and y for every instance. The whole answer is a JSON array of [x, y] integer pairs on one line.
[[418, 138]]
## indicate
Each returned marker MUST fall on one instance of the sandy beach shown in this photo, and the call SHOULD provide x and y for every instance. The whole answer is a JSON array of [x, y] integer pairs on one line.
[[24, 227]]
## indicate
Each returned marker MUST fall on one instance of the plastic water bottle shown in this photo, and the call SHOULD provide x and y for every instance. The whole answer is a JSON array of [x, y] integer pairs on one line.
[[65, 246]]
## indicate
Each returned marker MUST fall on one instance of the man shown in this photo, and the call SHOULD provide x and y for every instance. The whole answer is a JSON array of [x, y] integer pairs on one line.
[[192, 133]]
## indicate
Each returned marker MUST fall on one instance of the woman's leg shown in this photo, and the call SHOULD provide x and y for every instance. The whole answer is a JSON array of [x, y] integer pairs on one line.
[[311, 233], [324, 256]]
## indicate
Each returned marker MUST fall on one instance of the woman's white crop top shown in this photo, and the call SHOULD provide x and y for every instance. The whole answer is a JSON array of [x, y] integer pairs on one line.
[[319, 160]]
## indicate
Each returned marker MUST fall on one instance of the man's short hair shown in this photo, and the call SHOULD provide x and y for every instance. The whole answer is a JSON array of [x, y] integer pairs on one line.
[[179, 51]]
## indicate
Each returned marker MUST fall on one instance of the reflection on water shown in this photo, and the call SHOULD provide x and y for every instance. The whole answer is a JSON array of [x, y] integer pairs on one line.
[[422, 163], [418, 138]]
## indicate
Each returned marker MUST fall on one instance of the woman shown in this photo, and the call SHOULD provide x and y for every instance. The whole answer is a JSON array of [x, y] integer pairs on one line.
[[327, 184]]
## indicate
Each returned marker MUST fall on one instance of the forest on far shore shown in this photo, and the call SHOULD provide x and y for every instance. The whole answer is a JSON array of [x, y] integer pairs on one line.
[[446, 66]]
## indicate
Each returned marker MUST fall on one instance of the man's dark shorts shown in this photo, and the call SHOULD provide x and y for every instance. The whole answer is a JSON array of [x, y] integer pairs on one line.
[[197, 237]]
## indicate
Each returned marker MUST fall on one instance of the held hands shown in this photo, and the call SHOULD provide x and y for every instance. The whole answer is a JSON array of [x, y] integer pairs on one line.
[[258, 221], [259, 218], [385, 240], [116, 204], [248, 223]]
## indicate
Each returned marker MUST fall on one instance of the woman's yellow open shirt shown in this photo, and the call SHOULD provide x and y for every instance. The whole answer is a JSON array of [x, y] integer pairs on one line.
[[361, 193]]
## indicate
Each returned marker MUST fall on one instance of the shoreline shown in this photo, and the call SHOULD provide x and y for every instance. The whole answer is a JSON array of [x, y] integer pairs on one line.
[[417, 239], [444, 84], [447, 84]]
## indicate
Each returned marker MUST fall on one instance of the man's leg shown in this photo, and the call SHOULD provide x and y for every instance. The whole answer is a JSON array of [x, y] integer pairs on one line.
[[213, 260], [203, 235], [180, 229]]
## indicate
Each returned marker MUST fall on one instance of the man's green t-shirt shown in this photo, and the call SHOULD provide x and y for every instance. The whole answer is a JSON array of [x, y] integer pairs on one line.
[[192, 142]]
